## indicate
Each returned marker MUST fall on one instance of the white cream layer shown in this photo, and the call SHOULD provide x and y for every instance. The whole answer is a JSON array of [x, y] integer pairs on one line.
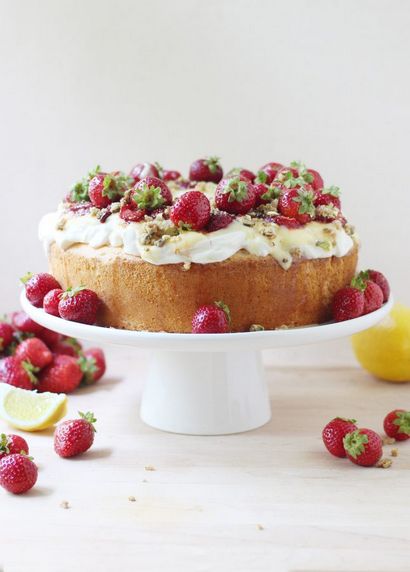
[[314, 240]]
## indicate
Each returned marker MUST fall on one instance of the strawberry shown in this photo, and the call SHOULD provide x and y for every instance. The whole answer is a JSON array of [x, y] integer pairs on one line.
[[268, 172], [22, 322], [208, 170], [235, 196], [265, 194], [316, 181], [63, 375], [79, 305], [381, 281], [67, 346], [49, 337], [363, 447], [373, 295], [287, 221], [289, 177], [142, 170], [243, 174], [18, 473], [327, 203], [298, 204], [6, 335], [348, 303], [168, 175], [298, 175], [218, 221], [211, 319], [92, 363], [75, 436], [151, 193], [34, 351], [191, 211], [12, 444], [105, 188], [51, 301], [19, 373], [79, 192], [131, 213], [37, 286], [334, 433], [397, 424]]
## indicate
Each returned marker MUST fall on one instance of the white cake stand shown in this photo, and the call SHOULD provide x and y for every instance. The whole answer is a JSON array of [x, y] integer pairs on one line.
[[208, 384]]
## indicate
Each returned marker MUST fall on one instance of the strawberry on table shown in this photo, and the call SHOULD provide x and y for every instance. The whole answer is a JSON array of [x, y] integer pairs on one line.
[[34, 351], [79, 305], [298, 204], [348, 303], [334, 433], [12, 444], [18, 473], [49, 337], [142, 170], [92, 364], [235, 196], [67, 346], [208, 170], [19, 373], [62, 375], [363, 447], [22, 322], [51, 301], [212, 319], [37, 286], [75, 436], [191, 211], [381, 281], [6, 335], [397, 424]]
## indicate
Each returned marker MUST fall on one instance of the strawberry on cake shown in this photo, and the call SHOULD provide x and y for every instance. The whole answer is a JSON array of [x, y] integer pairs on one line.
[[272, 246]]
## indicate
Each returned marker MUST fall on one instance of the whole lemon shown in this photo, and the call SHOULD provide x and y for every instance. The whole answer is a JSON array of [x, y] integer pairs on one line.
[[384, 350]]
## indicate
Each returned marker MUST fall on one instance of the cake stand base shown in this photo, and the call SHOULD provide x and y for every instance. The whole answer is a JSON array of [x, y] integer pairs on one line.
[[205, 393]]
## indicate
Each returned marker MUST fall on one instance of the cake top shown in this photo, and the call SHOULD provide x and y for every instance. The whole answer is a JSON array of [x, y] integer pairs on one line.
[[163, 217]]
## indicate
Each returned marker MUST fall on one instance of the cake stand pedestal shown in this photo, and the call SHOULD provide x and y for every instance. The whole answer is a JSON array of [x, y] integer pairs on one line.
[[206, 384]]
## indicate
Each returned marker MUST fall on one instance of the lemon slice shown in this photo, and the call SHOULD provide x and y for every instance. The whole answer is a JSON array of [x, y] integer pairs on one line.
[[29, 410]]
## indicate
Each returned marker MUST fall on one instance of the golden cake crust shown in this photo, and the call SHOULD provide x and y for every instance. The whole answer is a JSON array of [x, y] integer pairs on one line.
[[137, 295]]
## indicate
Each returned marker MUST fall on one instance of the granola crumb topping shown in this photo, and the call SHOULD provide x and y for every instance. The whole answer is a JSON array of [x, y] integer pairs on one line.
[[394, 452], [256, 328], [384, 463]]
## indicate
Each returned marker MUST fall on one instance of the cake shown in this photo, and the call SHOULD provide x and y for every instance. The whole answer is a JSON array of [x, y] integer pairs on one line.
[[274, 247]]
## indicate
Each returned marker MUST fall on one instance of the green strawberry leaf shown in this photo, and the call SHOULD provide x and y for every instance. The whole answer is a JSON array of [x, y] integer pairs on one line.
[[354, 443], [403, 422]]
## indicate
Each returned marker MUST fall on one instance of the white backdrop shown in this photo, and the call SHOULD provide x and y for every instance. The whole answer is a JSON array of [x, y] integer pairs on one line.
[[119, 81]]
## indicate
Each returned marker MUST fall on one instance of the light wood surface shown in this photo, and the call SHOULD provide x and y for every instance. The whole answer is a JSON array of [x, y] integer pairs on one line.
[[268, 500]]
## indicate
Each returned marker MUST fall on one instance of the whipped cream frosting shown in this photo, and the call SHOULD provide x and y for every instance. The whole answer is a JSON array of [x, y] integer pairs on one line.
[[314, 240]]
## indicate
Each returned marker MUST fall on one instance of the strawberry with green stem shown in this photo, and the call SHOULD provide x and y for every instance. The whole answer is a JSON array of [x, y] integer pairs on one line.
[[12, 444], [79, 305], [363, 447], [191, 211], [105, 188], [6, 335], [397, 424], [212, 319], [297, 203], [75, 436], [235, 196], [19, 373], [208, 170], [373, 295], [92, 364]]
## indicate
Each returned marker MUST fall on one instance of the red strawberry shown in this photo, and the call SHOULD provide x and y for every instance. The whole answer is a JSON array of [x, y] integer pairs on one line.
[[18, 373], [75, 436], [168, 175], [93, 365], [22, 322], [211, 319], [104, 188], [131, 213], [219, 221], [51, 301], [142, 170], [268, 172], [151, 193], [79, 305], [34, 351], [37, 286], [373, 295], [289, 222], [397, 424], [12, 444], [381, 281], [243, 174], [208, 170], [348, 303], [334, 433], [298, 204], [289, 177], [18, 473], [363, 447], [235, 196], [6, 335], [316, 181], [264, 194], [327, 203], [67, 346], [49, 337], [63, 375], [191, 211]]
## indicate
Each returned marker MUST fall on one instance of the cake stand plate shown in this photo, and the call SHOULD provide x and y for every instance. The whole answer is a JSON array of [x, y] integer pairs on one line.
[[206, 384]]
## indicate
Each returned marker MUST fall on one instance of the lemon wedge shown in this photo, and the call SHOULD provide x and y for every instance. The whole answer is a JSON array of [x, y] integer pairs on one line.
[[384, 350], [29, 410]]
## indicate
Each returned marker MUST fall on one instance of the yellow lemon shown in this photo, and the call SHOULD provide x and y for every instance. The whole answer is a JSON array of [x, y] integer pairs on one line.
[[29, 410], [384, 350]]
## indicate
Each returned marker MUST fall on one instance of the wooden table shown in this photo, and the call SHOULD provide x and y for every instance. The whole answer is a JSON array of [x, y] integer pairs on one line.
[[268, 500]]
